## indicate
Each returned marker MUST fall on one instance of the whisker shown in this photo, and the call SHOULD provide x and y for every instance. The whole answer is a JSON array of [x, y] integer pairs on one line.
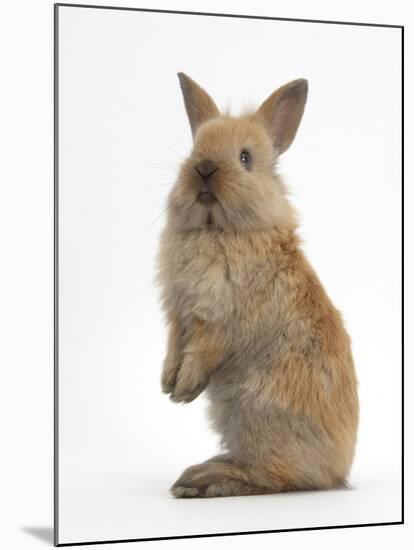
[[158, 166], [162, 185], [180, 157], [163, 211], [178, 130]]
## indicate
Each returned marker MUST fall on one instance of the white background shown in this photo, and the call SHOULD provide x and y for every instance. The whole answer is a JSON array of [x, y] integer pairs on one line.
[[27, 323], [122, 127]]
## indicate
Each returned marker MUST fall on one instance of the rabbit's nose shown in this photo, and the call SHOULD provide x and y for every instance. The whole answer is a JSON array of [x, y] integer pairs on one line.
[[206, 168]]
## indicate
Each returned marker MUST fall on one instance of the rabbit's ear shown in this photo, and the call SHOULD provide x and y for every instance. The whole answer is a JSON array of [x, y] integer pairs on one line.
[[198, 103], [282, 112]]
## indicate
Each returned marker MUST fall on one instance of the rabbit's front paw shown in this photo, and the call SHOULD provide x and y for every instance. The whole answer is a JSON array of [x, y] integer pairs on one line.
[[169, 374], [191, 380], [168, 380]]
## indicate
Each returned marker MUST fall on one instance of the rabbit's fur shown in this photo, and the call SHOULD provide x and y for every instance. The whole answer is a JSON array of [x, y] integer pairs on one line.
[[249, 321]]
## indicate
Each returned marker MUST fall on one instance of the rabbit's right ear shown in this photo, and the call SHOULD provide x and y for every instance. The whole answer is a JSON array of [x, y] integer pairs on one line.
[[198, 104]]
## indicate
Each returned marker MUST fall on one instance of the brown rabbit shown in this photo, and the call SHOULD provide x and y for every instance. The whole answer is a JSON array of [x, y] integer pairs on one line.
[[249, 320]]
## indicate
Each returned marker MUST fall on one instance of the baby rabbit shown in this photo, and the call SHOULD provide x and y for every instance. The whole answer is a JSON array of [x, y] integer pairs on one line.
[[249, 321]]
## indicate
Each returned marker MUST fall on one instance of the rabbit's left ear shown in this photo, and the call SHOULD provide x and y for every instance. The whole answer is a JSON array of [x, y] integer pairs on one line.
[[198, 104], [282, 112]]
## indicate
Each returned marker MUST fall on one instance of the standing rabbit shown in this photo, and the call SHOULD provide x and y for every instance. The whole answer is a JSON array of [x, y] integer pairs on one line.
[[249, 321]]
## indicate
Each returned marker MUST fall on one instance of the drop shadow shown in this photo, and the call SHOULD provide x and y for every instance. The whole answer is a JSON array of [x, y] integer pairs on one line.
[[43, 533]]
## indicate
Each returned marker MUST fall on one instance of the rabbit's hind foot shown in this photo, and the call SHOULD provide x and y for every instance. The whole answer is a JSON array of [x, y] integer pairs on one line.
[[215, 479]]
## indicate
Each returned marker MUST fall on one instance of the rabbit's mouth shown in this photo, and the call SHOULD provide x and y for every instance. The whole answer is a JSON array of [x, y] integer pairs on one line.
[[206, 197]]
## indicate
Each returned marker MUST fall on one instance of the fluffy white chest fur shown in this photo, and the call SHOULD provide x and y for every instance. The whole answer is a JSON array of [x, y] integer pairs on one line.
[[198, 273]]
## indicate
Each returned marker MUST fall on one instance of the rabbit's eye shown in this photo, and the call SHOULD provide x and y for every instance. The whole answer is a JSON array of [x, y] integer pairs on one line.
[[245, 159]]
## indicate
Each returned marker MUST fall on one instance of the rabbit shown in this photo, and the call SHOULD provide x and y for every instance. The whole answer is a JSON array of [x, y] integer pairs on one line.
[[248, 319]]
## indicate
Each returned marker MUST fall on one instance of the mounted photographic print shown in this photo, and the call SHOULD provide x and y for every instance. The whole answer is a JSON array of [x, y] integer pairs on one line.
[[228, 238]]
